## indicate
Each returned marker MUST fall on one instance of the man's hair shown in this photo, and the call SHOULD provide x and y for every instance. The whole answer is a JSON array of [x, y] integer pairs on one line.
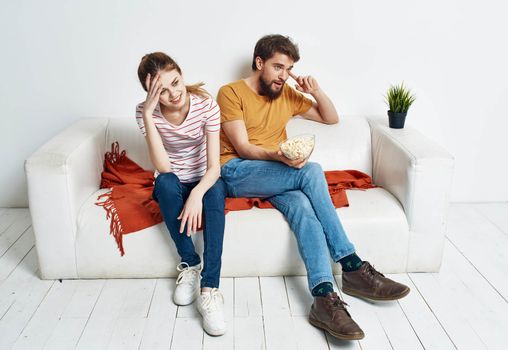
[[269, 45]]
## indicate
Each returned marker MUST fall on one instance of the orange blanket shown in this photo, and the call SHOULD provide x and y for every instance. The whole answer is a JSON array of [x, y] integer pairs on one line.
[[130, 207]]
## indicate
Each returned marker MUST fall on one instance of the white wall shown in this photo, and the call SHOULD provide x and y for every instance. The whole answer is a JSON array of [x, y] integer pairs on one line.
[[63, 60]]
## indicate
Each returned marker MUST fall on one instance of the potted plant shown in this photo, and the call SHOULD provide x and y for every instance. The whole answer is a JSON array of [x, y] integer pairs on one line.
[[398, 99]]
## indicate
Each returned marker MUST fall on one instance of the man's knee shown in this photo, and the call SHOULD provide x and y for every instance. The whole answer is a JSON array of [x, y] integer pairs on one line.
[[313, 169]]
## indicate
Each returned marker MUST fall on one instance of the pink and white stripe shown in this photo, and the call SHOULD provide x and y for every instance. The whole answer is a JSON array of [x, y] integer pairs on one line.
[[185, 144]]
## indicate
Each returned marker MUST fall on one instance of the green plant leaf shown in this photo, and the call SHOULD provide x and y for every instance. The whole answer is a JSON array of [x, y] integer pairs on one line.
[[399, 98]]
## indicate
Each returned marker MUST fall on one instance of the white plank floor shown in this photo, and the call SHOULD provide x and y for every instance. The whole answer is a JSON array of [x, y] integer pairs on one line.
[[462, 307]]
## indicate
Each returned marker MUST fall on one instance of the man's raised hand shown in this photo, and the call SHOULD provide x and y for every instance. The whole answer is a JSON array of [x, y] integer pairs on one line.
[[306, 84]]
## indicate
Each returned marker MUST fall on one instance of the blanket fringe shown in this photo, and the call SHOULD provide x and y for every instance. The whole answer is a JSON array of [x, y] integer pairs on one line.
[[115, 155], [115, 226]]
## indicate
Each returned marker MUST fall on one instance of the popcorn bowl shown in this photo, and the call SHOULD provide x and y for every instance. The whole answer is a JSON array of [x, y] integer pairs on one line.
[[299, 146]]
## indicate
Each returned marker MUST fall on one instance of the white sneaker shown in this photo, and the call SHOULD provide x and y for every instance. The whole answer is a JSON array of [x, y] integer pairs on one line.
[[187, 284], [211, 307]]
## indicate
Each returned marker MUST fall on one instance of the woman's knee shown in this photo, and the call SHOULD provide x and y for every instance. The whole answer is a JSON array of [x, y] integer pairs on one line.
[[167, 185]]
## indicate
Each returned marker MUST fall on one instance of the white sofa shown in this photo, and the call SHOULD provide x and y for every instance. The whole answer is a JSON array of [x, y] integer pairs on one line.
[[399, 227]]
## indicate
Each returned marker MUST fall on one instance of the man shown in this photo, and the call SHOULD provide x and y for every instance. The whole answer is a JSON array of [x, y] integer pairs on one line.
[[254, 114]]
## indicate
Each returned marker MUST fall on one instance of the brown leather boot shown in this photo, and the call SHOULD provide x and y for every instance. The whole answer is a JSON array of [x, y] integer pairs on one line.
[[368, 283], [329, 313]]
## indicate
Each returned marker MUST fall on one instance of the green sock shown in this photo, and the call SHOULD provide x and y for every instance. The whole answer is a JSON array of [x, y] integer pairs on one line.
[[351, 262], [322, 289]]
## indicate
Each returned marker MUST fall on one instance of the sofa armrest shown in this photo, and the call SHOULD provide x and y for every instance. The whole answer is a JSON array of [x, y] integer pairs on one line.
[[418, 172], [61, 175]]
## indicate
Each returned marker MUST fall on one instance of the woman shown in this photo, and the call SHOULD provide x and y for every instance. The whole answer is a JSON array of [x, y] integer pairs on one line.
[[181, 126]]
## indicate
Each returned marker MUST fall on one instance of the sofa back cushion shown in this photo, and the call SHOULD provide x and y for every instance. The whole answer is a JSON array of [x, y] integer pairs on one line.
[[342, 146], [345, 145]]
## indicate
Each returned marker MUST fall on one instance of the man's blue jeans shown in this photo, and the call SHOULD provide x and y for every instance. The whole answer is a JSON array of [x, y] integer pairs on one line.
[[303, 198], [171, 195]]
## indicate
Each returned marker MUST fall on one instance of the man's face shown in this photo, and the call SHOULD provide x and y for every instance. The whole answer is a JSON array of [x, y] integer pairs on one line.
[[274, 73]]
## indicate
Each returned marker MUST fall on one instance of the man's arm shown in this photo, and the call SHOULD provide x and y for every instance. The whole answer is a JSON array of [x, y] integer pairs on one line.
[[323, 110], [237, 134]]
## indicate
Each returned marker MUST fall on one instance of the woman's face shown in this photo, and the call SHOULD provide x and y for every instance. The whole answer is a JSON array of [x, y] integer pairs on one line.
[[174, 94]]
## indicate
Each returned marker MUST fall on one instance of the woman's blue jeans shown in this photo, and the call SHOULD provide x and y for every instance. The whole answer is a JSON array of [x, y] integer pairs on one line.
[[303, 198], [171, 195]]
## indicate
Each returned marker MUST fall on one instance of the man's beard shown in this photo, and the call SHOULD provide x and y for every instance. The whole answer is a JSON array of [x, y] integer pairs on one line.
[[266, 90]]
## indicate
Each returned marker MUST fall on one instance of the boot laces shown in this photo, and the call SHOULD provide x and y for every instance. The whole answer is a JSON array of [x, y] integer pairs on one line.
[[372, 272], [338, 303]]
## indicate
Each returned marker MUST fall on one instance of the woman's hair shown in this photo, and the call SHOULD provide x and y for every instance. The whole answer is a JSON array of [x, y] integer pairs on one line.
[[154, 62]]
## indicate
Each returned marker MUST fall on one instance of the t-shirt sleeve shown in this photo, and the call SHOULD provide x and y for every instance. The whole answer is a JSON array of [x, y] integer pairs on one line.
[[139, 118], [230, 104], [212, 121], [300, 103]]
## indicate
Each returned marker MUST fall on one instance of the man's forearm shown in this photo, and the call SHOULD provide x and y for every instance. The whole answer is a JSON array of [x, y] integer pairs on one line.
[[326, 107], [253, 152]]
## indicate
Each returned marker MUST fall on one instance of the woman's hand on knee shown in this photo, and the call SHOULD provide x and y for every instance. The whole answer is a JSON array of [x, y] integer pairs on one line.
[[192, 213]]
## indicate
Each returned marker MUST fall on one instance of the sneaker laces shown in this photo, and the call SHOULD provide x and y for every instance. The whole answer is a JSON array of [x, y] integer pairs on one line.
[[211, 301], [187, 273]]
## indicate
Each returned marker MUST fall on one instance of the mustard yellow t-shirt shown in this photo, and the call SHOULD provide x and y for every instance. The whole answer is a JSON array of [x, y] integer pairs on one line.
[[264, 120]]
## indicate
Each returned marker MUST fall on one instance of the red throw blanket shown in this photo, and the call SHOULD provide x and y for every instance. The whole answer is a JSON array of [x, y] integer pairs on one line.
[[130, 207]]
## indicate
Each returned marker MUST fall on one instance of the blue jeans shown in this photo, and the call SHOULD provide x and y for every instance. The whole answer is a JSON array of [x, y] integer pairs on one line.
[[171, 195], [303, 198]]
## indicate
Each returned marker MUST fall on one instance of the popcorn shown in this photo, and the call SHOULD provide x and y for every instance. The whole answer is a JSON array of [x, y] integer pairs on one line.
[[300, 146]]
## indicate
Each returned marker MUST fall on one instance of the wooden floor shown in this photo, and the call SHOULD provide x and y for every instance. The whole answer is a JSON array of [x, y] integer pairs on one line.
[[462, 307]]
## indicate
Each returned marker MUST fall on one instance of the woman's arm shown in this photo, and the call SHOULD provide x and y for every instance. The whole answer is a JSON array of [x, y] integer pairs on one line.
[[192, 210], [158, 154], [212, 165], [156, 149]]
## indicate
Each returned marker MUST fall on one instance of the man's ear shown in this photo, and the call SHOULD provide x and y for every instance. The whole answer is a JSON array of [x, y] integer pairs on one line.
[[259, 63]]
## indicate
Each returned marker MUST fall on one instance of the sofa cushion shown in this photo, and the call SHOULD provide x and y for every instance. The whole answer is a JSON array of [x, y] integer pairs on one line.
[[373, 219]]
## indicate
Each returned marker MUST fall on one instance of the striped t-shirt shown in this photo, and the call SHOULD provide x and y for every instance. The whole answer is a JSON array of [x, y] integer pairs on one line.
[[185, 144]]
